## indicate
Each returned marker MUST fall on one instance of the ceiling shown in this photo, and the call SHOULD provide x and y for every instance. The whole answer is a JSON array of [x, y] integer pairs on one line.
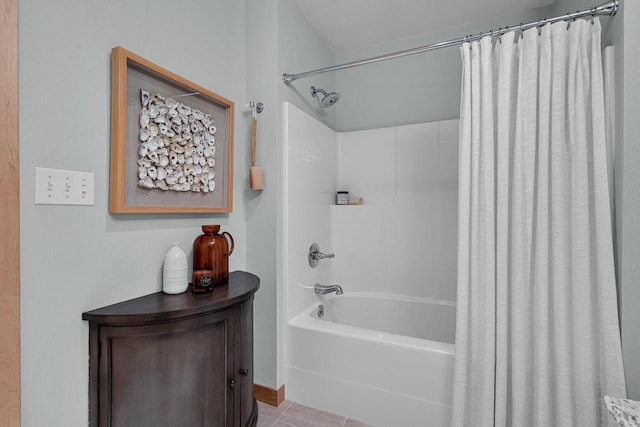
[[347, 25]]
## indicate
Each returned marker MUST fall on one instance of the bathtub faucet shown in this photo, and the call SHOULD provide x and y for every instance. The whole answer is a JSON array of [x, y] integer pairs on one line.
[[327, 289]]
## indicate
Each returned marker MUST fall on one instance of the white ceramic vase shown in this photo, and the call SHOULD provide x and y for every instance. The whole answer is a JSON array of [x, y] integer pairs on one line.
[[175, 271]]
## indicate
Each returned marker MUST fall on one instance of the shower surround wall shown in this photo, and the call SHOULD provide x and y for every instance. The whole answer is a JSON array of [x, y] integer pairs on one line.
[[401, 241], [310, 179]]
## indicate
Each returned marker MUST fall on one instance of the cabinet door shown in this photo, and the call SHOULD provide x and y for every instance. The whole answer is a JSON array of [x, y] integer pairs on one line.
[[244, 361], [171, 374]]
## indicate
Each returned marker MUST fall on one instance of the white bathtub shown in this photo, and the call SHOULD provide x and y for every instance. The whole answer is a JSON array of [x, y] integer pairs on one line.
[[381, 359]]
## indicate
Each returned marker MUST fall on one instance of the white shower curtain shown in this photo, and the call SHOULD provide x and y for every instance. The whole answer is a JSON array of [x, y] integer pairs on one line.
[[537, 338]]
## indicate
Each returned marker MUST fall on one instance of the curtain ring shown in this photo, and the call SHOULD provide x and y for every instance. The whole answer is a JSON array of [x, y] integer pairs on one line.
[[501, 33]]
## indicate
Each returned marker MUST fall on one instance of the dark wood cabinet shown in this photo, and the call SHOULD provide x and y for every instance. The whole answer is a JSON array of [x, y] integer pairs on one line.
[[175, 360]]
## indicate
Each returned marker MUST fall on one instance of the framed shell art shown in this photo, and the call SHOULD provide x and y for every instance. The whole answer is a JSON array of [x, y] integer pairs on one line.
[[171, 141]]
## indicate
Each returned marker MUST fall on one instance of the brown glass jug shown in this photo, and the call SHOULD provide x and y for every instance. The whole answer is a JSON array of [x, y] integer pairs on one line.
[[211, 252]]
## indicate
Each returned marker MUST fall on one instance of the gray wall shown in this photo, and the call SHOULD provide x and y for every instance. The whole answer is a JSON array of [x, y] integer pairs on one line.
[[261, 208], [278, 40], [79, 258], [624, 34], [300, 48], [628, 206], [414, 89]]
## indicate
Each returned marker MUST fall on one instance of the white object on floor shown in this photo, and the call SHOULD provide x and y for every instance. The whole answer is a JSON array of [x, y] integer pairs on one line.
[[625, 411]]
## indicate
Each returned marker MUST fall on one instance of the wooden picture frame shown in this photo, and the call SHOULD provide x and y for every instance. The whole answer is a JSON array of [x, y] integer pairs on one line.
[[132, 74]]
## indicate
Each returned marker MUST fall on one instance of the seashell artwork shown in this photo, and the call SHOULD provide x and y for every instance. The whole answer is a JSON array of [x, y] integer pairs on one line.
[[153, 110], [177, 146], [153, 144], [144, 97], [144, 134], [162, 173], [142, 172], [154, 157], [152, 172], [144, 119], [143, 150], [147, 182]]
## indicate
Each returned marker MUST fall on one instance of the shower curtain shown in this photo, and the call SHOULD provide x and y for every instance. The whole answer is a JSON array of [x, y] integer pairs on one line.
[[537, 337]]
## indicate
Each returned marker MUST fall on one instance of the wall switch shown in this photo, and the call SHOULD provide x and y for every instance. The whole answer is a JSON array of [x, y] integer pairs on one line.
[[63, 187]]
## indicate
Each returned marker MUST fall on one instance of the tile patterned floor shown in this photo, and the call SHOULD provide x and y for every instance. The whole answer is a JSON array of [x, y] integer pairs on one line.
[[291, 414]]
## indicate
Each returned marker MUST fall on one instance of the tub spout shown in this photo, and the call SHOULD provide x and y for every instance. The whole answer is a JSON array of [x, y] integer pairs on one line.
[[327, 289]]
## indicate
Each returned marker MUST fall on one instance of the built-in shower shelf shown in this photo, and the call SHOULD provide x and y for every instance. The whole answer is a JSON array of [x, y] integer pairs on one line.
[[366, 206]]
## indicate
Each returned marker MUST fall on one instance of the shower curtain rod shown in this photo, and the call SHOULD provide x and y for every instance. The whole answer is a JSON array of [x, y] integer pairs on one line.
[[608, 8]]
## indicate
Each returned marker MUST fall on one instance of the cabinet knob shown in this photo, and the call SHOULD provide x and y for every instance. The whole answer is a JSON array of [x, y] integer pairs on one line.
[[244, 372], [232, 383]]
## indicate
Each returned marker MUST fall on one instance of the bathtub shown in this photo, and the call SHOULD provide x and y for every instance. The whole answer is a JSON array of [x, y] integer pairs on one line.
[[381, 359]]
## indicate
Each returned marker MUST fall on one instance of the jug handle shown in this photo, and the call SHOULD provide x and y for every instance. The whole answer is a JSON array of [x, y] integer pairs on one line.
[[230, 238]]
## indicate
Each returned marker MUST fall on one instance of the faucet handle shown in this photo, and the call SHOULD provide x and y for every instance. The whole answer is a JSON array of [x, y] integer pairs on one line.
[[315, 255], [320, 255]]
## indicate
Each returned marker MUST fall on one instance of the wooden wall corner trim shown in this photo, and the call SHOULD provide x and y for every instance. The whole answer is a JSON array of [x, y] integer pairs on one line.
[[269, 395], [9, 218]]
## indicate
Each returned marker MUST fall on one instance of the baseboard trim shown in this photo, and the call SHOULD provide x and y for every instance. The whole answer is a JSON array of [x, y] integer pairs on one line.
[[269, 395]]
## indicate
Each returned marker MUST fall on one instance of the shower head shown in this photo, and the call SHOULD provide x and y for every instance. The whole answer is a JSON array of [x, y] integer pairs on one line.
[[328, 99]]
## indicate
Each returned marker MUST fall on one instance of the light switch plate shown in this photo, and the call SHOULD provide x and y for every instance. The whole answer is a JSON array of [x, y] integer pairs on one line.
[[64, 187]]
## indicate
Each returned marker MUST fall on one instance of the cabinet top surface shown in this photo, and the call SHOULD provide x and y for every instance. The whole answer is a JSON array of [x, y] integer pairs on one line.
[[160, 307]]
